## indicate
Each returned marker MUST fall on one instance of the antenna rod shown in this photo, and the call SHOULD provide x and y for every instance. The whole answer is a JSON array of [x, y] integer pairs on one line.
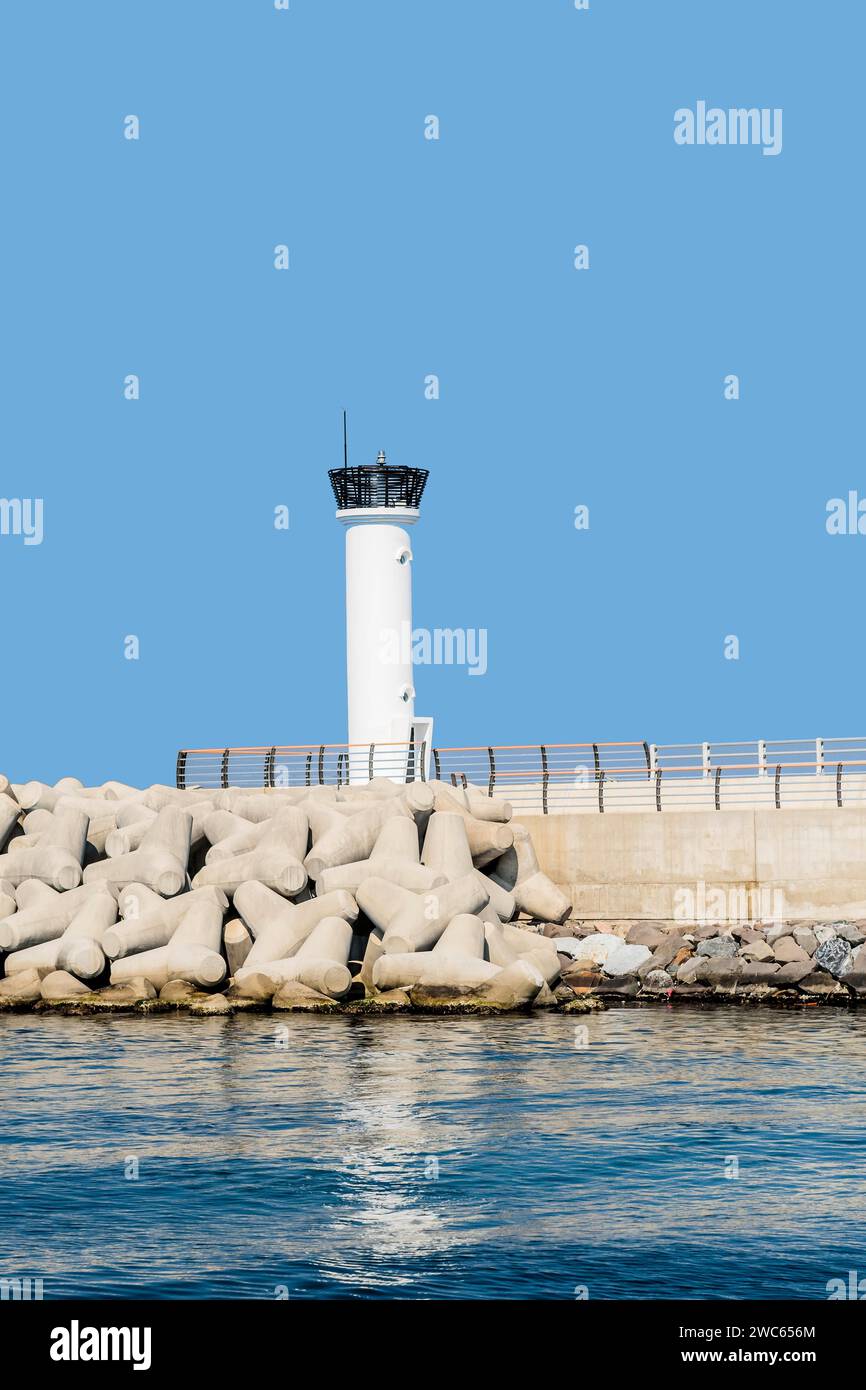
[[345, 443]]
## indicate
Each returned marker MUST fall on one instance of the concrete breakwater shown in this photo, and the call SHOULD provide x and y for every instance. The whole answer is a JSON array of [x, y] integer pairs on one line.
[[360, 898], [384, 894]]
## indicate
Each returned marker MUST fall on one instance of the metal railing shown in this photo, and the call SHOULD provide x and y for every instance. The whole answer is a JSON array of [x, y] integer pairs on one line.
[[559, 777], [378, 485]]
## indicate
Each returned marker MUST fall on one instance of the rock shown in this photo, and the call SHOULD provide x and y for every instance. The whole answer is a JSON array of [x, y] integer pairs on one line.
[[834, 955], [792, 974], [544, 999], [551, 929], [706, 931], [211, 1004], [584, 1005], [820, 984], [759, 972], [687, 970], [777, 930], [23, 988], [596, 948], [859, 959], [786, 951], [643, 934], [393, 999], [297, 998], [258, 987], [722, 972], [682, 955], [563, 994], [690, 991], [855, 981], [657, 981], [720, 946], [61, 985], [178, 992], [853, 935], [663, 954], [622, 987], [756, 951], [583, 977], [761, 989], [626, 960], [140, 988], [573, 947], [133, 991], [746, 935], [805, 937], [824, 933]]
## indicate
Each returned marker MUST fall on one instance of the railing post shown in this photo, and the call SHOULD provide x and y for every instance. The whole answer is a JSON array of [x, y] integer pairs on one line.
[[762, 758], [224, 769], [658, 789], [705, 758], [180, 773], [308, 770], [545, 779], [601, 792], [653, 758], [648, 756], [321, 764], [718, 789], [492, 771], [424, 760], [269, 767], [819, 756], [436, 766], [778, 786], [596, 759], [838, 784], [370, 764]]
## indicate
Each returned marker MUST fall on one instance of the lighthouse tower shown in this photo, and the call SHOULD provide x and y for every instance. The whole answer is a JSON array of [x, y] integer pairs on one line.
[[378, 503]]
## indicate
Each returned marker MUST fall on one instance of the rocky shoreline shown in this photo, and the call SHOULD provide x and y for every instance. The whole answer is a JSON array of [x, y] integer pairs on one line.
[[791, 964]]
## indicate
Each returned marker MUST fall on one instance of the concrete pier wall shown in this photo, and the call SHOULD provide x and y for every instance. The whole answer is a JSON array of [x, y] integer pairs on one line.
[[799, 863]]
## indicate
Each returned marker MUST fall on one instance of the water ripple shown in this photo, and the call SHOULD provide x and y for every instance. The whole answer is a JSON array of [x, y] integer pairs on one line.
[[424, 1157]]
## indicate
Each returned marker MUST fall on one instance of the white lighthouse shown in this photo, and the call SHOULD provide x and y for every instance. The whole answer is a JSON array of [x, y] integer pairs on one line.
[[378, 503]]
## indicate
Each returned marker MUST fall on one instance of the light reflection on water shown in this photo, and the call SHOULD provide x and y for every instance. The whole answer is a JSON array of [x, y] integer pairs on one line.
[[433, 1157]]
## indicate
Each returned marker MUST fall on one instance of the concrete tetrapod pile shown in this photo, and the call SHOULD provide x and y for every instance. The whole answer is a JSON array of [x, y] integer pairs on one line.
[[385, 895]]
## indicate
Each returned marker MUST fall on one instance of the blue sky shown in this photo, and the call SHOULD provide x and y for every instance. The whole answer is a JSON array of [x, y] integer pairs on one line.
[[410, 257]]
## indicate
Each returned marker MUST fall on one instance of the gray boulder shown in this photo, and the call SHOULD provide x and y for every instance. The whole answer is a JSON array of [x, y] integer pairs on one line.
[[718, 946], [644, 934], [657, 981], [759, 972], [786, 950], [756, 950], [805, 937], [722, 972], [835, 956], [777, 930], [792, 974]]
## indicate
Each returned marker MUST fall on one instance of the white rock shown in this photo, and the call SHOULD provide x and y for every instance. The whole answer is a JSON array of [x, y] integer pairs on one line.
[[595, 948], [626, 960]]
